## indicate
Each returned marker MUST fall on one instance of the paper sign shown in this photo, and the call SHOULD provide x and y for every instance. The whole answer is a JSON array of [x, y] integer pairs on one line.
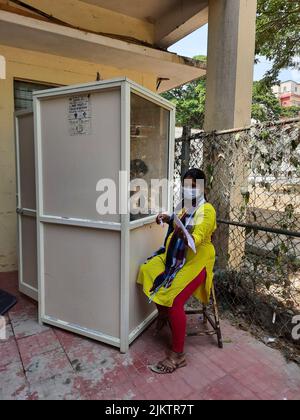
[[190, 240], [80, 115]]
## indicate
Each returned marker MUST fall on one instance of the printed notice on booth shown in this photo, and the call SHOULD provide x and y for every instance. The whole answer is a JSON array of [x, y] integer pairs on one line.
[[80, 115]]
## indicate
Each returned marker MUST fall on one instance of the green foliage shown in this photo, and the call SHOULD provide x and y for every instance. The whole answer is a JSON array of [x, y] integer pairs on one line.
[[190, 101], [190, 104], [278, 38], [278, 35], [202, 58], [290, 111], [265, 105]]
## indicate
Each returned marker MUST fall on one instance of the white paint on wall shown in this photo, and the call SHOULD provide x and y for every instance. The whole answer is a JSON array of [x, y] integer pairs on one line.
[[2, 67]]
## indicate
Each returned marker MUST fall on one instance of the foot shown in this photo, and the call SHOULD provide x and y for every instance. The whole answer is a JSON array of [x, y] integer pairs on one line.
[[172, 362]]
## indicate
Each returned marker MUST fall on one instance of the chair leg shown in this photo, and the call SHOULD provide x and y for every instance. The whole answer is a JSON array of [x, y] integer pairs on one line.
[[217, 319], [204, 315]]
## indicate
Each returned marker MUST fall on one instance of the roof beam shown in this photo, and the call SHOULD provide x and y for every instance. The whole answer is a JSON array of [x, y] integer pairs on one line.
[[36, 35], [180, 22]]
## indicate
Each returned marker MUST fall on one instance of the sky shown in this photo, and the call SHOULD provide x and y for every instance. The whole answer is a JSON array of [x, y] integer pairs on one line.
[[196, 44]]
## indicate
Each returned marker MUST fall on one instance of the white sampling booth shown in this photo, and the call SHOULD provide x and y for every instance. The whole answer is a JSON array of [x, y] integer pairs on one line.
[[88, 262]]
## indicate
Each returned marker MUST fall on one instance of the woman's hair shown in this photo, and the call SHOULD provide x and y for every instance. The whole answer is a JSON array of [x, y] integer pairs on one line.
[[196, 174]]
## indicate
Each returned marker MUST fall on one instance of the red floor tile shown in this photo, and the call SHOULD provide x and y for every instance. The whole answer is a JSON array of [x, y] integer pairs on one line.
[[9, 352], [24, 320], [48, 365], [59, 387], [39, 362], [13, 383], [37, 344]]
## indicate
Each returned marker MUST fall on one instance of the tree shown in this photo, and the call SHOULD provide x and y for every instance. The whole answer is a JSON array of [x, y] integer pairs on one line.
[[278, 35], [265, 105], [190, 101], [290, 111]]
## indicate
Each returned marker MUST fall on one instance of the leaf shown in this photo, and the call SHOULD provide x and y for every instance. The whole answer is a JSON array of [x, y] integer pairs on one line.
[[246, 197], [254, 216], [248, 230]]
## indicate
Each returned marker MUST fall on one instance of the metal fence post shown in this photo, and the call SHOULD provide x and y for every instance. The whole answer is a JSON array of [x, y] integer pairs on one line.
[[186, 149]]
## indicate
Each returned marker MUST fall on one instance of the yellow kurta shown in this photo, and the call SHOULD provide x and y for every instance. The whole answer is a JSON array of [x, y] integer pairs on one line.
[[205, 225]]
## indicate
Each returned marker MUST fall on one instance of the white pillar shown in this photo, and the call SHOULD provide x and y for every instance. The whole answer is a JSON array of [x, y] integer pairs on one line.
[[230, 63]]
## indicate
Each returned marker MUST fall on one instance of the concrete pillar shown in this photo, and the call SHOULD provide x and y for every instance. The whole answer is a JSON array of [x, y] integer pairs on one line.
[[230, 62]]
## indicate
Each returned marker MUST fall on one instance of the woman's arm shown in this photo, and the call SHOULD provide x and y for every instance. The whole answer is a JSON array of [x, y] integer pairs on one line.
[[205, 222]]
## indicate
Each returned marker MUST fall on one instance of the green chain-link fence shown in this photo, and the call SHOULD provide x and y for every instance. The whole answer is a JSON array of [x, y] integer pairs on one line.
[[254, 184]]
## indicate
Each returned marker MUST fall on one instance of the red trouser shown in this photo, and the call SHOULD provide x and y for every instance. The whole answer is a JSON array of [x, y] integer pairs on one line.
[[177, 315]]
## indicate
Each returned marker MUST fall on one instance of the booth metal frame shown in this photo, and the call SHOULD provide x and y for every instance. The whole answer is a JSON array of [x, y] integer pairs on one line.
[[24, 287], [124, 227]]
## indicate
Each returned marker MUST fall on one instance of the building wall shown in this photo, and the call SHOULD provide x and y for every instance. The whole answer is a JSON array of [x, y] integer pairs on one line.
[[286, 87], [289, 99], [295, 100], [288, 93], [290, 86], [38, 67]]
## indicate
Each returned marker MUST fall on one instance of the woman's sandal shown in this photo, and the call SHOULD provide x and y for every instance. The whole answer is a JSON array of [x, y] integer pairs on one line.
[[170, 364]]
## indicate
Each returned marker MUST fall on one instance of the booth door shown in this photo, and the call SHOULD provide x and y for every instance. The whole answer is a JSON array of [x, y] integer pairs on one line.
[[26, 204]]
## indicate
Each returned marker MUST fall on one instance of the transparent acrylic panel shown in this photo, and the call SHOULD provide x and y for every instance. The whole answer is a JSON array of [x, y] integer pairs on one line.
[[26, 162], [29, 253], [149, 148]]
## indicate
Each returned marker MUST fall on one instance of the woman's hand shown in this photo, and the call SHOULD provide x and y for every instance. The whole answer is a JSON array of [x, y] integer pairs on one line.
[[181, 235], [162, 218]]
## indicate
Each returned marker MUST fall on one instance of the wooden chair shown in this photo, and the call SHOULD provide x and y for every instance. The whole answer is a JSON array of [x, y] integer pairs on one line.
[[208, 318]]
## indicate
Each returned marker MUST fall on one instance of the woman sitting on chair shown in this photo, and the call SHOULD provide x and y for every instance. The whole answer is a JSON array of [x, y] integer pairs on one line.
[[176, 272]]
